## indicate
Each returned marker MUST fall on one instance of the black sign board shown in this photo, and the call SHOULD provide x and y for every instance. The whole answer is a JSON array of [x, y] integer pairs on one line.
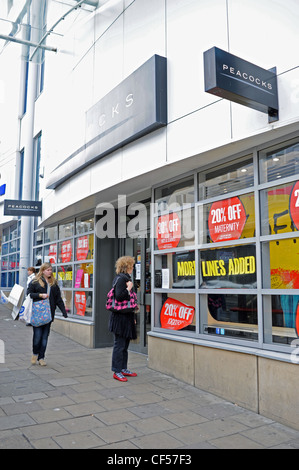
[[237, 80], [27, 208], [134, 108]]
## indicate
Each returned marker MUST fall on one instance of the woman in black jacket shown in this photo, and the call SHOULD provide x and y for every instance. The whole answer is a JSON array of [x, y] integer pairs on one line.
[[38, 290], [122, 325]]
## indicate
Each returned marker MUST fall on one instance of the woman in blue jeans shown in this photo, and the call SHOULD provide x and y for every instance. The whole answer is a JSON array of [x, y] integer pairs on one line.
[[122, 325], [38, 290]]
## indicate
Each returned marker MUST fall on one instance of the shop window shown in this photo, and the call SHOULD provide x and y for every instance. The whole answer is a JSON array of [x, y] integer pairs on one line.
[[230, 315], [66, 230], [177, 194], [175, 270], [228, 219], [84, 247], [38, 238], [65, 276], [279, 162], [84, 224], [281, 264], [50, 253], [83, 303], [51, 234], [282, 321], [226, 178], [65, 251], [83, 276], [175, 311], [175, 229], [67, 298], [280, 209], [228, 267]]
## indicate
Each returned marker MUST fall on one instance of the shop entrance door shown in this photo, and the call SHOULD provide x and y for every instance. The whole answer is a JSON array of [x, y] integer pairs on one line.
[[141, 250]]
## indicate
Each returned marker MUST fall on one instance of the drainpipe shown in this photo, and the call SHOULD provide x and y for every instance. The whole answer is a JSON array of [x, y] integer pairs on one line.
[[26, 240]]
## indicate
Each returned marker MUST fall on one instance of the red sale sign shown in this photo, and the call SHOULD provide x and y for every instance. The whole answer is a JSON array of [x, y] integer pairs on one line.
[[66, 251], [82, 248], [175, 315], [294, 205], [80, 303], [168, 231], [227, 219]]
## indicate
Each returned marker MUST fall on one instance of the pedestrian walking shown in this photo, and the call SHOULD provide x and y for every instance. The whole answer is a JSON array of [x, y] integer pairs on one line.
[[122, 324], [38, 289]]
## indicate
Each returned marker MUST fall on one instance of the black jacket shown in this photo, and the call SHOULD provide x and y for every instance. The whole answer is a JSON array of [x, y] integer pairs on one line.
[[34, 289], [122, 324]]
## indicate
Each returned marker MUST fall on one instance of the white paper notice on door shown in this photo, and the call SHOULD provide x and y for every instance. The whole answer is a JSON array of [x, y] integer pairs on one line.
[[165, 278]]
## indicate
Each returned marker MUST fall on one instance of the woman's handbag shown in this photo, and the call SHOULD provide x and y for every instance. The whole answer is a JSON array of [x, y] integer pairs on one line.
[[125, 306], [41, 312]]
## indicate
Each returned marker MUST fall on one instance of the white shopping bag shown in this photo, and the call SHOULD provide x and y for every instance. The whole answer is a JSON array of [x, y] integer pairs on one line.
[[15, 294], [26, 310]]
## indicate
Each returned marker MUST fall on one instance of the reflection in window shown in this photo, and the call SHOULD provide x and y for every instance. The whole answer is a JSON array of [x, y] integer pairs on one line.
[[177, 193], [277, 163], [230, 315], [226, 178], [276, 211], [282, 325]]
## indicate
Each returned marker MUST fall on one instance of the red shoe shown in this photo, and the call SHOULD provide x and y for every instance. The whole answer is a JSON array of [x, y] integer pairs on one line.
[[129, 373], [119, 376]]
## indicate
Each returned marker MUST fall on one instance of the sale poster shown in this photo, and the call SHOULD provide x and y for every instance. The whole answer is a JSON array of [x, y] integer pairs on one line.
[[168, 231], [227, 219], [82, 248], [66, 251], [176, 315], [80, 303]]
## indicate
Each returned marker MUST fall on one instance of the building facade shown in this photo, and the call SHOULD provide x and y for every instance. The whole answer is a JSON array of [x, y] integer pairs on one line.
[[168, 130]]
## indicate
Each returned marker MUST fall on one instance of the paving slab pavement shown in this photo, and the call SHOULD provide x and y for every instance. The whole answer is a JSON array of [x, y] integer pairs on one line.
[[74, 403]]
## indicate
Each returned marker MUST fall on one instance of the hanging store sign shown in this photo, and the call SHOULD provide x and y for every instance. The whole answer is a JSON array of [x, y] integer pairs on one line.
[[136, 107], [168, 231], [240, 81], [22, 208], [227, 219], [175, 315]]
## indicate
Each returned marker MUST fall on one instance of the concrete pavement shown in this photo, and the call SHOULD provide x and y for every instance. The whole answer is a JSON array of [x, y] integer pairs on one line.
[[74, 403]]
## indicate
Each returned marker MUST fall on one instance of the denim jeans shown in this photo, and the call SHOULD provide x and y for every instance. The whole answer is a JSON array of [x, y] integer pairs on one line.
[[120, 353], [40, 340]]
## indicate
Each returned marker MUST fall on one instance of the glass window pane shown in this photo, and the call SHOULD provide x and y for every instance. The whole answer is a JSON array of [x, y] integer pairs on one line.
[[175, 270], [280, 209], [233, 266], [179, 192], [14, 231], [284, 321], [83, 303], [51, 234], [4, 263], [65, 251], [230, 315], [5, 236], [5, 249], [175, 229], [84, 247], [66, 230], [38, 238], [84, 224], [281, 264], [3, 279], [65, 275], [276, 163], [37, 256], [50, 253], [67, 298], [226, 178], [84, 276], [228, 219], [175, 311]]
